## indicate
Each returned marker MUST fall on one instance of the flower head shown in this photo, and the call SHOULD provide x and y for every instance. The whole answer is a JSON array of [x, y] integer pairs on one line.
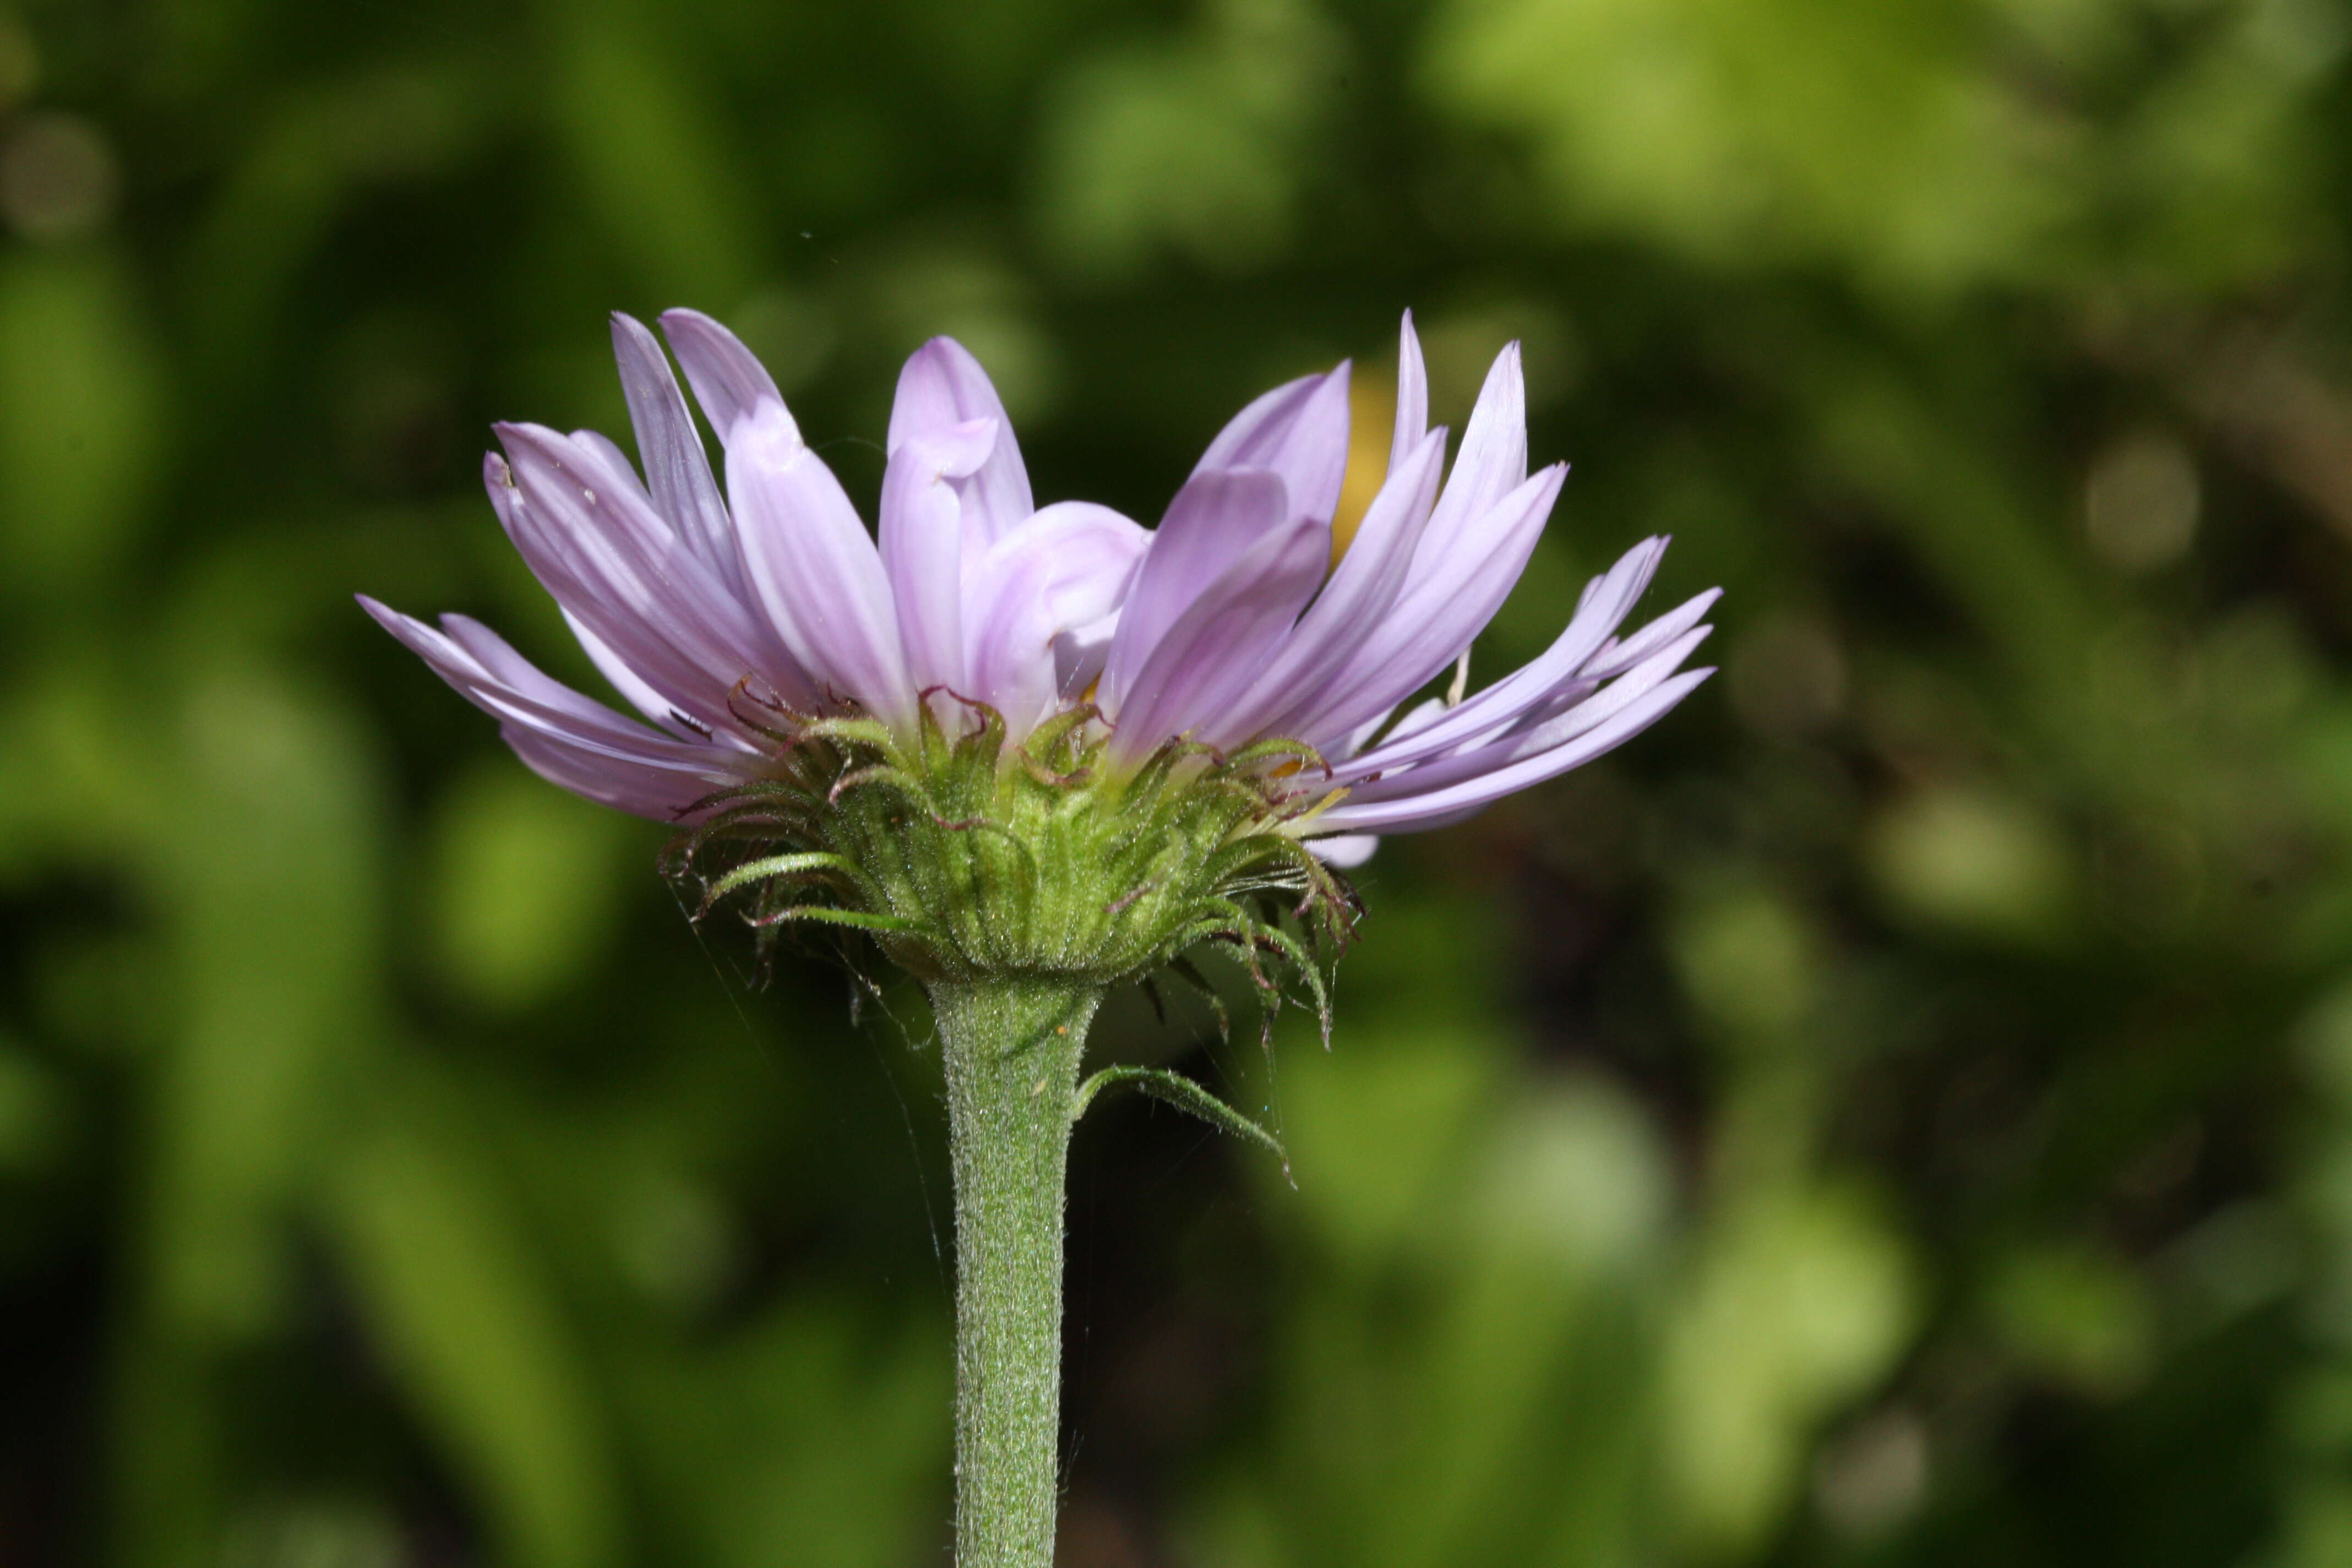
[[1176, 711]]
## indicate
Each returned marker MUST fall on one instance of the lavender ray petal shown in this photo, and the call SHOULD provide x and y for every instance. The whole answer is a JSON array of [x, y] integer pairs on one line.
[[1451, 805], [941, 386], [728, 379], [1256, 431], [923, 545], [813, 568], [632, 687], [1417, 718], [1611, 661], [602, 755], [1360, 593], [638, 788], [1509, 703], [1217, 516], [1412, 396], [1345, 850], [575, 511], [600, 550], [1441, 612], [1601, 609], [1361, 736], [490, 673], [619, 470], [1299, 431], [677, 469], [1218, 645], [1079, 655], [1492, 463], [1579, 706], [1052, 579]]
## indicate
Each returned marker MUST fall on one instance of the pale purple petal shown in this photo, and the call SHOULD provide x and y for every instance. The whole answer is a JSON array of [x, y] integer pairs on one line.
[[1299, 431], [812, 567], [1537, 689], [1613, 660], [923, 544], [676, 468], [1470, 553], [641, 789], [1361, 736], [1417, 718], [1259, 427], [1493, 461], [1569, 714], [593, 538], [1218, 645], [1412, 396], [1218, 516], [608, 452], [942, 386], [1345, 850], [1451, 805], [1079, 655], [625, 680], [1441, 610], [728, 379], [1604, 604], [1361, 592], [586, 747], [488, 669], [1040, 597]]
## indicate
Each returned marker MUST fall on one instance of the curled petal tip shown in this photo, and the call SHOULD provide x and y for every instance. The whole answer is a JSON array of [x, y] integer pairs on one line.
[[767, 431], [958, 450]]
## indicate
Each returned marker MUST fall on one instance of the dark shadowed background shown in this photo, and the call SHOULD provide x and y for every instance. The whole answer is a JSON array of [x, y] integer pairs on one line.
[[1897, 1112]]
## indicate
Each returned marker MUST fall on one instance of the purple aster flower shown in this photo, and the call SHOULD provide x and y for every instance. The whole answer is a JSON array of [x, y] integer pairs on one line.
[[712, 608], [1038, 752]]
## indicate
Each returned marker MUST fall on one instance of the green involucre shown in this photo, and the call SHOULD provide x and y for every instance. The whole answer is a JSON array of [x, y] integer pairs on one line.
[[966, 857]]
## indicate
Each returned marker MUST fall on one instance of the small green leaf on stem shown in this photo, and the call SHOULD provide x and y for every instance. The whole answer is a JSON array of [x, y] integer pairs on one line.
[[1184, 1095]]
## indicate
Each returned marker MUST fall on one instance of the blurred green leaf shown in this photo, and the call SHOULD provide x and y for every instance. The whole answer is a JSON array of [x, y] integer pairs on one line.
[[1193, 144], [808, 1437], [2076, 1316], [528, 886], [81, 424], [470, 1327], [35, 1112], [1975, 862], [1799, 1301]]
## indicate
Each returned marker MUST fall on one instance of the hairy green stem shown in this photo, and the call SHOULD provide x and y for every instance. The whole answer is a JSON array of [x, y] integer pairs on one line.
[[1011, 1050]]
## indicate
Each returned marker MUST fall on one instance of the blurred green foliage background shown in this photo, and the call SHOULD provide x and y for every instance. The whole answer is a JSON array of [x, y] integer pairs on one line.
[[1898, 1111]]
